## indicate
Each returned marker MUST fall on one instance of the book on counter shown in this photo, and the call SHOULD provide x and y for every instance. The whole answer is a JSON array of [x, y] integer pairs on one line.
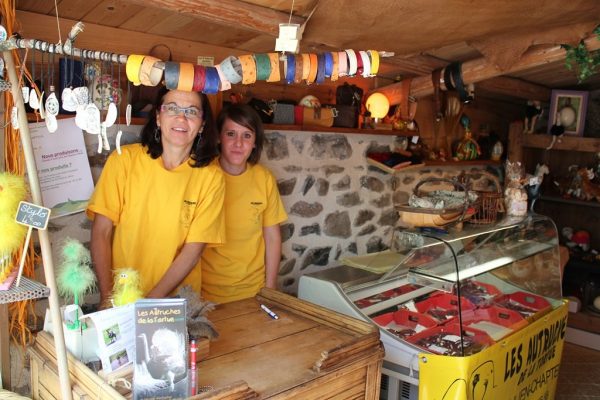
[[161, 356]]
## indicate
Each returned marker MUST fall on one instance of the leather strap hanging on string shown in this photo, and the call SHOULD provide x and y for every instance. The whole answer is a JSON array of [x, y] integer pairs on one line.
[[437, 101]]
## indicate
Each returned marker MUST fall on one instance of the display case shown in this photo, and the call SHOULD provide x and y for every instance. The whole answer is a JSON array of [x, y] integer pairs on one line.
[[446, 292]]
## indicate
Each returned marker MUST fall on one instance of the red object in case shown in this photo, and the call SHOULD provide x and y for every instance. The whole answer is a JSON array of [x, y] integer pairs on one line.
[[434, 340], [526, 304], [443, 306]]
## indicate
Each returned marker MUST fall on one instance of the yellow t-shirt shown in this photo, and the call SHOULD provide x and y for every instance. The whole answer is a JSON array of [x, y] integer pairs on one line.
[[236, 270], [156, 211]]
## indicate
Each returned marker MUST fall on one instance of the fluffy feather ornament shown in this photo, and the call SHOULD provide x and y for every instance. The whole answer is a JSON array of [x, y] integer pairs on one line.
[[12, 191], [127, 287], [74, 276], [197, 323]]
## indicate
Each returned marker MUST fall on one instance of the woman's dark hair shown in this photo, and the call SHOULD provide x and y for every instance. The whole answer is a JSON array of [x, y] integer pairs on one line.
[[202, 153], [245, 115]]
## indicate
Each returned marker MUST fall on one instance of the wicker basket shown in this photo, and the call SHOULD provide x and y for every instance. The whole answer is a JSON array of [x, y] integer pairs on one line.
[[490, 202]]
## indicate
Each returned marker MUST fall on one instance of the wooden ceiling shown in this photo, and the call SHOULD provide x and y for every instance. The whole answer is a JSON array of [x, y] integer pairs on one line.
[[423, 35]]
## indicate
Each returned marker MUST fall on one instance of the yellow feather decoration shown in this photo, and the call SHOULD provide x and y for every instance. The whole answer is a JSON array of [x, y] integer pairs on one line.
[[127, 287], [12, 191]]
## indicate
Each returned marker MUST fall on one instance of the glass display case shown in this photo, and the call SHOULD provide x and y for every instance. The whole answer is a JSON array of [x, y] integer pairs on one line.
[[447, 292]]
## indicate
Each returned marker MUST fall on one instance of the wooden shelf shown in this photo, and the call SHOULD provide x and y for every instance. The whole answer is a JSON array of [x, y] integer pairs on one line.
[[459, 163], [309, 128], [567, 143], [585, 320], [429, 163], [558, 199]]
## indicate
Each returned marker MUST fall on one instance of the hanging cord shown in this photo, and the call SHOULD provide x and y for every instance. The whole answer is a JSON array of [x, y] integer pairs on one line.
[[57, 23], [291, 11]]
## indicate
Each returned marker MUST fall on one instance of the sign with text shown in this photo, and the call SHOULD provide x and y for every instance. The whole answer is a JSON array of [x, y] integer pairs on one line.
[[33, 215], [522, 366]]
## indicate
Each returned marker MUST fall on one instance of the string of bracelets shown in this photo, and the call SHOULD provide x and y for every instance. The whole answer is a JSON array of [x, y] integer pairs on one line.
[[250, 68]]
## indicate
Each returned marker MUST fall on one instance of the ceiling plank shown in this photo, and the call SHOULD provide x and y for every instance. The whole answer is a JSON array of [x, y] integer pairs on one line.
[[228, 13], [515, 88], [480, 69]]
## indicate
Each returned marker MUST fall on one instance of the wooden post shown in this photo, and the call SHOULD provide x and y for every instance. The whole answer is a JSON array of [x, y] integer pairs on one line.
[[515, 141], [36, 195]]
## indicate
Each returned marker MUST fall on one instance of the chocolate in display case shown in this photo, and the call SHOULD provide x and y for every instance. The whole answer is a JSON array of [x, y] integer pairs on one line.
[[446, 292]]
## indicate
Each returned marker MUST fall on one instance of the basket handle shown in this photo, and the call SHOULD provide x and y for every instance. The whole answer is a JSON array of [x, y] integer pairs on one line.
[[453, 182], [494, 179]]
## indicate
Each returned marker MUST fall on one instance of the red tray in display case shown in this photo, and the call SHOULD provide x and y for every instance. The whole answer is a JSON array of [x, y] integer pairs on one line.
[[530, 306], [404, 323], [446, 340], [386, 295], [443, 306], [497, 322], [479, 293]]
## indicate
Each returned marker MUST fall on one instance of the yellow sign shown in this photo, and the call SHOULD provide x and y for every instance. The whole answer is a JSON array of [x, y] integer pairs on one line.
[[523, 366]]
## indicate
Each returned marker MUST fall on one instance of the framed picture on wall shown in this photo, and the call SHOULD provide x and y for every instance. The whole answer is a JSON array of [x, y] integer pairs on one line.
[[567, 111]]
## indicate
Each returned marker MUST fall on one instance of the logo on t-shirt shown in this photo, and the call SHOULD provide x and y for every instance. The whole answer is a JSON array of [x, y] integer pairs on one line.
[[257, 208], [187, 213]]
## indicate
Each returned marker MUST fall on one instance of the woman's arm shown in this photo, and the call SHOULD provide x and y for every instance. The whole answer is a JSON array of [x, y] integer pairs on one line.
[[183, 264], [101, 250], [272, 236]]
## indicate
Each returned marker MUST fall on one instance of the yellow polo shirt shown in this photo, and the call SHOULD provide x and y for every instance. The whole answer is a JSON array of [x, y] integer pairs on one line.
[[236, 270], [155, 211]]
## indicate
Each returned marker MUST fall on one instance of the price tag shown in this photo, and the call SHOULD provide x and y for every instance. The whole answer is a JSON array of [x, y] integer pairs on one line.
[[206, 61], [33, 215], [415, 139]]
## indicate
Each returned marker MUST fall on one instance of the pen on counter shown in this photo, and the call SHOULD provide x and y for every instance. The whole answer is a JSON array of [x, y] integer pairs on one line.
[[268, 311]]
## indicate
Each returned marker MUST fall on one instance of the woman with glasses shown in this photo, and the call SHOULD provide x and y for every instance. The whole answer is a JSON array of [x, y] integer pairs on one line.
[[159, 203], [253, 211]]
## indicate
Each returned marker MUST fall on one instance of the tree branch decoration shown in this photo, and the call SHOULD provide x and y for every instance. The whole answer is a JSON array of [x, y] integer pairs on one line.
[[584, 62]]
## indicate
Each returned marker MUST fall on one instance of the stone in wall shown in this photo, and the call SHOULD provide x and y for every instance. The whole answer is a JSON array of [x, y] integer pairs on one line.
[[352, 248], [337, 224], [363, 216], [383, 201], [332, 169], [288, 283], [292, 169], [348, 199], [389, 218], [310, 229], [322, 186], [330, 146], [400, 197], [342, 184], [372, 183], [287, 231], [298, 249], [338, 252], [316, 256], [286, 186], [375, 244], [298, 144], [308, 183], [376, 147], [275, 146], [307, 210], [367, 230], [287, 267]]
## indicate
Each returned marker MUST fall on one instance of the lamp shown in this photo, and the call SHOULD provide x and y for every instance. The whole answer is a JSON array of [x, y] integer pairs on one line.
[[378, 105]]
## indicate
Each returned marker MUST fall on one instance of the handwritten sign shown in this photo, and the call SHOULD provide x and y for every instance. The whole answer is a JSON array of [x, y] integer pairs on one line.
[[33, 215]]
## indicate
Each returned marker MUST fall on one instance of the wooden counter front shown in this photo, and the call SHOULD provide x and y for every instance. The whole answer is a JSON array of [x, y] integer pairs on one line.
[[308, 353]]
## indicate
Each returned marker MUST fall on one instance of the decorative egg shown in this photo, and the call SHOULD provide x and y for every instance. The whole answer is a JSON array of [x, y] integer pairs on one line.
[[597, 303]]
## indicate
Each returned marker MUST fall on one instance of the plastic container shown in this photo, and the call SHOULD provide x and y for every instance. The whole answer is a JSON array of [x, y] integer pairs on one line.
[[446, 340], [404, 323], [443, 306]]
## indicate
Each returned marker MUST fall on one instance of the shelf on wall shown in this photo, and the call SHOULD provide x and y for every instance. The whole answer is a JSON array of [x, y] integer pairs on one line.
[[585, 320], [429, 163], [309, 128], [558, 199], [573, 143]]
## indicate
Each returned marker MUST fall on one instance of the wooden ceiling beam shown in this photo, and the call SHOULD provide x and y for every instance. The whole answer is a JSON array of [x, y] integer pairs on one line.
[[227, 12], [514, 88], [480, 69]]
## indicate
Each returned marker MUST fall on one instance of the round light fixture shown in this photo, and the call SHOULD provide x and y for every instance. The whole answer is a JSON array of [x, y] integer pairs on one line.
[[378, 105]]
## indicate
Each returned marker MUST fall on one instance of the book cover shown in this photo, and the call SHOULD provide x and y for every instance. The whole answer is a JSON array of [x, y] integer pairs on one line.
[[161, 367]]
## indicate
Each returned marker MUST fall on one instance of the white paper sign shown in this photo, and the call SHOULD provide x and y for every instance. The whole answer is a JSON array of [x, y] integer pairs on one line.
[[63, 167]]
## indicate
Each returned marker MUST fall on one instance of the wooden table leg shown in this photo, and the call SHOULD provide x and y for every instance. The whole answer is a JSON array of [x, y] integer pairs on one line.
[[4, 348]]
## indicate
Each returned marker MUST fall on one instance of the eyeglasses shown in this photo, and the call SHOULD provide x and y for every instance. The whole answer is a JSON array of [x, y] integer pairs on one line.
[[174, 110]]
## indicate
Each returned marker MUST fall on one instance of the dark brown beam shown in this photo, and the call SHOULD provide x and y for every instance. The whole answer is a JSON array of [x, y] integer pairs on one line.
[[515, 88], [480, 69], [227, 12]]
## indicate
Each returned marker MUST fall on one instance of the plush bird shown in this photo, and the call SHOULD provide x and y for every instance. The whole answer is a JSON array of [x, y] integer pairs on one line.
[[12, 191], [127, 287], [197, 323]]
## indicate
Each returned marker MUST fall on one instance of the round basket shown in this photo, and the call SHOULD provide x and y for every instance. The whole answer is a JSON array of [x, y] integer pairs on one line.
[[490, 203]]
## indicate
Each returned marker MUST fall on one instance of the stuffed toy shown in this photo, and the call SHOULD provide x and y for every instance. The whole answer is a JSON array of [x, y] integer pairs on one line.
[[127, 287], [12, 234], [198, 325]]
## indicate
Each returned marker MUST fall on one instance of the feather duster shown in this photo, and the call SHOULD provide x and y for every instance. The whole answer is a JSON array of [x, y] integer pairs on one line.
[[127, 287], [12, 191]]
